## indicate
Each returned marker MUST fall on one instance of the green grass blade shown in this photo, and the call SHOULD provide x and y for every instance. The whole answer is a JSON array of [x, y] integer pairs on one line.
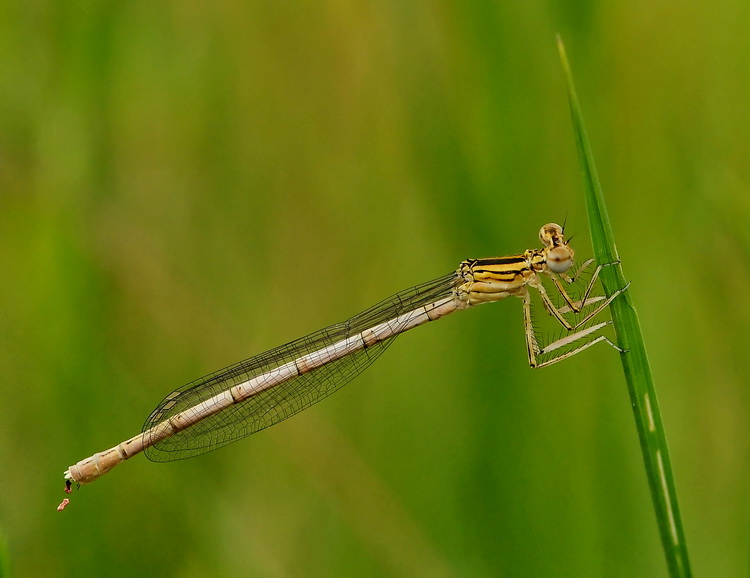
[[635, 361]]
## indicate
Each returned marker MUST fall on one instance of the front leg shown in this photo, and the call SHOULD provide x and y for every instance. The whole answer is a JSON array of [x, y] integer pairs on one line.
[[557, 312], [577, 306], [533, 349], [570, 279]]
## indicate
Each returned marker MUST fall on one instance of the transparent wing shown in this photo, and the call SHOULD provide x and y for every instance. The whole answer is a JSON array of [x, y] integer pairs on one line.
[[286, 399]]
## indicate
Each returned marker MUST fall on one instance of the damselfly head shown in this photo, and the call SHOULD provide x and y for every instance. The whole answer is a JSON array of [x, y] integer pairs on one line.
[[559, 255]]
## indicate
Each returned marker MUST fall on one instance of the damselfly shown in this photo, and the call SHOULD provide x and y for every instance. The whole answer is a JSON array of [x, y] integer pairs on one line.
[[259, 392]]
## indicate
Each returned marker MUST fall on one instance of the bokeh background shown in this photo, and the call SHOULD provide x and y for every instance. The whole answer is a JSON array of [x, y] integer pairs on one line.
[[185, 184]]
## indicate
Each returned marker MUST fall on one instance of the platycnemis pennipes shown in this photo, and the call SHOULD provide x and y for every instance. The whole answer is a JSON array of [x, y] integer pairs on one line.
[[259, 392]]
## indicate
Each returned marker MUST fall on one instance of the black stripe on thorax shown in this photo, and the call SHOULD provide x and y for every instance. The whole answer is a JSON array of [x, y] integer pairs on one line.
[[515, 259]]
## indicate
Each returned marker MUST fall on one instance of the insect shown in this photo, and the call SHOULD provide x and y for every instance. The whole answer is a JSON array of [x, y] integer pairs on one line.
[[263, 390]]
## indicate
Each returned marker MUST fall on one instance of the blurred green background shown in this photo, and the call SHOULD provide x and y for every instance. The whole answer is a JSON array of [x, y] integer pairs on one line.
[[185, 184]]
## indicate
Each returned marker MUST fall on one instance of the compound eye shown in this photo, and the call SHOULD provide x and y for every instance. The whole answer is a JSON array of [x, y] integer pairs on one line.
[[559, 259]]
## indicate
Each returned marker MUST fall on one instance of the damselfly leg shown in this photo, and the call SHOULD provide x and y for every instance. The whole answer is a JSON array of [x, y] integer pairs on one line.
[[535, 351]]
